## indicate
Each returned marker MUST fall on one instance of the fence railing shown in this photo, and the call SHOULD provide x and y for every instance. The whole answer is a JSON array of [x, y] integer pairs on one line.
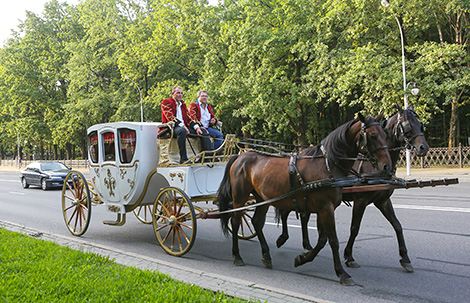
[[439, 157], [436, 157], [24, 163]]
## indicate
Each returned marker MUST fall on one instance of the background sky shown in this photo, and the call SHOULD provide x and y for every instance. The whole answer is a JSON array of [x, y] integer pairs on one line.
[[14, 10]]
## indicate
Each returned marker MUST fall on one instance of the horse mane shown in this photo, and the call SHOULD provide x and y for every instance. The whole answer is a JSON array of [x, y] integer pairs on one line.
[[336, 144]]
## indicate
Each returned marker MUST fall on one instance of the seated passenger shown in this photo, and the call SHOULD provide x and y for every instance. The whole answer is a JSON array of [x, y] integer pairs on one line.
[[203, 115], [174, 110]]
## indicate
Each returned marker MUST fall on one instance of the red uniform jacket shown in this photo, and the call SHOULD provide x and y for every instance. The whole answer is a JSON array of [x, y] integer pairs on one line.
[[169, 112], [195, 113]]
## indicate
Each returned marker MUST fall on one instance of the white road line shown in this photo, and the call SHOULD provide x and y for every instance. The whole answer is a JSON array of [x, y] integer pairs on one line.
[[16, 193], [11, 181], [438, 208], [290, 225]]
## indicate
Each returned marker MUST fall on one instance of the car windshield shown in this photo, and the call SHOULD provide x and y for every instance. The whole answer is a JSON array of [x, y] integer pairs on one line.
[[53, 166]]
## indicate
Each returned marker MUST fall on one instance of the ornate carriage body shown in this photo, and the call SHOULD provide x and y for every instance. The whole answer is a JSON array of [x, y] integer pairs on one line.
[[124, 166]]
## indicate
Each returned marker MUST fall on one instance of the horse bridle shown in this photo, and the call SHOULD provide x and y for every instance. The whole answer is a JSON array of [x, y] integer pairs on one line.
[[363, 137], [403, 128]]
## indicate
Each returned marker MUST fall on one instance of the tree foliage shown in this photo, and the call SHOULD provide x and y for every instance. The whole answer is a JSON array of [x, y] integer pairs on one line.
[[280, 70]]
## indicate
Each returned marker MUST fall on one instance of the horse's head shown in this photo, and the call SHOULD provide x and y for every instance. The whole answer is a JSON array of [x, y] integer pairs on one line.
[[371, 141], [408, 130]]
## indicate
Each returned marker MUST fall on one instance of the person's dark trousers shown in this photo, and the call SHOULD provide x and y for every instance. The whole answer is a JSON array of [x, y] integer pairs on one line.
[[180, 134], [206, 143]]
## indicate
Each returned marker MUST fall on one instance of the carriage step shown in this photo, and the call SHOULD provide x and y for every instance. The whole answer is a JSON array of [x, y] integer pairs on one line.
[[120, 221]]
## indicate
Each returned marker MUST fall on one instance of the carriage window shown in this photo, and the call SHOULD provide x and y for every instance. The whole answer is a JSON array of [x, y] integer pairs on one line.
[[93, 146], [108, 142], [126, 145]]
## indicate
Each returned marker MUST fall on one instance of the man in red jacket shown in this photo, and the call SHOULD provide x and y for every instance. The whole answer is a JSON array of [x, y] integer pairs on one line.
[[202, 113], [175, 110]]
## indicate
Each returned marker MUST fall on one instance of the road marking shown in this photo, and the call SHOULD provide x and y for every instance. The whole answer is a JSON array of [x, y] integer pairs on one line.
[[438, 208], [16, 193], [12, 181], [290, 225]]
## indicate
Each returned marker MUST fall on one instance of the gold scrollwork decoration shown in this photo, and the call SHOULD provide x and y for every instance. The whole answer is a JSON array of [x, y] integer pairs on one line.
[[123, 173], [114, 208], [131, 183], [110, 183], [181, 175]]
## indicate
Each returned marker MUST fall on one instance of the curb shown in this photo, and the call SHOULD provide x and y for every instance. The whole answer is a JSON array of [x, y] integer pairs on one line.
[[230, 286]]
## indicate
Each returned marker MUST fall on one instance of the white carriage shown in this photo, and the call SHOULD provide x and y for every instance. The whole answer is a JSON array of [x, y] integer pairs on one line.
[[131, 170]]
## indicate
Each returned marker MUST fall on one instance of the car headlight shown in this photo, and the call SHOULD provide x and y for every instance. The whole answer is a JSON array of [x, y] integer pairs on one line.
[[55, 178]]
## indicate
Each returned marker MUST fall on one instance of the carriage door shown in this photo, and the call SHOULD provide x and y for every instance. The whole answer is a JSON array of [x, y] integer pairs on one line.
[[109, 170], [128, 165], [93, 154]]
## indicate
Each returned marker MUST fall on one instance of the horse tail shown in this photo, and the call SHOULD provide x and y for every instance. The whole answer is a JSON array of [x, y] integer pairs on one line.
[[224, 196]]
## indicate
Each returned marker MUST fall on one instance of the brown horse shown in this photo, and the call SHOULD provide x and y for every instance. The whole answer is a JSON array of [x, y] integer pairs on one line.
[[404, 129], [267, 177]]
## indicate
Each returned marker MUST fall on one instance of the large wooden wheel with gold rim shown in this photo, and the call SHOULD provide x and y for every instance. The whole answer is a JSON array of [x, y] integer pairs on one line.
[[246, 230], [144, 213], [76, 203], [174, 221]]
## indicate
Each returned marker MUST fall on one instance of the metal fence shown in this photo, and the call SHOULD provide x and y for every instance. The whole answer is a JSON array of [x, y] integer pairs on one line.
[[24, 163], [436, 157], [439, 157]]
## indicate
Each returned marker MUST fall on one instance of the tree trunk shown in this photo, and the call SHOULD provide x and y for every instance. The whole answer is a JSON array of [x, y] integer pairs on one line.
[[68, 151], [56, 154], [454, 117], [83, 149]]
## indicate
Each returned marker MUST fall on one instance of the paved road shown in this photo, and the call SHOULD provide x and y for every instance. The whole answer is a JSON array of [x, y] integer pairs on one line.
[[436, 224]]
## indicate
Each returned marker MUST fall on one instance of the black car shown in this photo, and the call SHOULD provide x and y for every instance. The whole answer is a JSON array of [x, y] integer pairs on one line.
[[46, 174]]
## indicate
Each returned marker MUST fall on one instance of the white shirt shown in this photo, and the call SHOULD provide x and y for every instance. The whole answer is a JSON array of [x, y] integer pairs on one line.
[[205, 115], [179, 114]]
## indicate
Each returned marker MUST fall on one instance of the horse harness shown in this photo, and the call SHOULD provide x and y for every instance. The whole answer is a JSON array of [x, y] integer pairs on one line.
[[403, 128]]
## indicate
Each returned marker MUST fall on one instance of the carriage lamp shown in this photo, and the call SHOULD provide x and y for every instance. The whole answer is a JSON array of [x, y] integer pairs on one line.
[[140, 93], [414, 90]]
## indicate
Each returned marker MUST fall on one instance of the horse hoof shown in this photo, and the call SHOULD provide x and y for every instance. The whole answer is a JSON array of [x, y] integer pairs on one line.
[[407, 266], [352, 264], [298, 261], [238, 262], [347, 281], [267, 263], [280, 241]]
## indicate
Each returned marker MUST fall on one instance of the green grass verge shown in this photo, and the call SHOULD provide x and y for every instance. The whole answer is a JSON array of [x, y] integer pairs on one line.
[[34, 270]]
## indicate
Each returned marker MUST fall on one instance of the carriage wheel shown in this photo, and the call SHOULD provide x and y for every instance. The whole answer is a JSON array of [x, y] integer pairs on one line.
[[144, 213], [76, 203], [246, 230], [174, 221]]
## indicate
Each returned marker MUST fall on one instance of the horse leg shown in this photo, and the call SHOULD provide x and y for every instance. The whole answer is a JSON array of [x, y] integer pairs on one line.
[[258, 221], [328, 223], [311, 254], [304, 218], [326, 220], [285, 234], [237, 259], [359, 208], [387, 210]]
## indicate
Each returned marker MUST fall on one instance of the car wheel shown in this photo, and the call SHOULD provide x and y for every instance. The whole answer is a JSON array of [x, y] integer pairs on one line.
[[43, 184], [24, 183]]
